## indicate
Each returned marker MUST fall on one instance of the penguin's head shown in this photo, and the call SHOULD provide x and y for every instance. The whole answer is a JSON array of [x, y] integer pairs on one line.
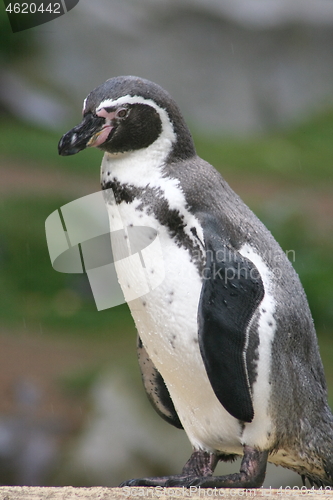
[[126, 114]]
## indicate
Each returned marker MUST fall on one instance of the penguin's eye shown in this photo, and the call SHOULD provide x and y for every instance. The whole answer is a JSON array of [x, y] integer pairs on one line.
[[122, 113]]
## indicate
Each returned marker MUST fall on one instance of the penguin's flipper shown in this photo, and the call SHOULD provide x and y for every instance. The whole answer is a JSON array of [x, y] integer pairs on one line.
[[155, 387], [231, 292]]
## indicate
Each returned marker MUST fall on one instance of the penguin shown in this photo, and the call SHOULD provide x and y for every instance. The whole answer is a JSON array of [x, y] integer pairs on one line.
[[226, 343]]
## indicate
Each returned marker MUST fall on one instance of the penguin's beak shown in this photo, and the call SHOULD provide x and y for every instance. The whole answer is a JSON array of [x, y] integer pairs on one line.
[[92, 131]]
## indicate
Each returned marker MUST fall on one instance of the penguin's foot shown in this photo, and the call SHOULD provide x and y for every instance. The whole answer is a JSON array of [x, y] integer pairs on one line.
[[251, 475], [201, 464], [198, 471]]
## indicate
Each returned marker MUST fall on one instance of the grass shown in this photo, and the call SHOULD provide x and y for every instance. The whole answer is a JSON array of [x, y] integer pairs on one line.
[[300, 154], [32, 293], [311, 256], [20, 141]]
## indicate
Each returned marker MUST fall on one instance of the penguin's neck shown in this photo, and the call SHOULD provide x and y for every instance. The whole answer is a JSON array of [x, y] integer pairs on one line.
[[139, 167], [142, 169], [135, 168], [138, 183]]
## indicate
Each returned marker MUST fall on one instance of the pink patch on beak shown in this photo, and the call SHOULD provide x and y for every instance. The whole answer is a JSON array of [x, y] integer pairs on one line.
[[100, 137]]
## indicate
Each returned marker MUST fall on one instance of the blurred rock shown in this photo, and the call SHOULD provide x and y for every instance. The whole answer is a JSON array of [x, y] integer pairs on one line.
[[39, 411], [29, 444]]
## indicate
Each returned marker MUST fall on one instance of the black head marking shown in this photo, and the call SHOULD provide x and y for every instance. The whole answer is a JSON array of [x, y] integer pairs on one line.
[[138, 130], [143, 125]]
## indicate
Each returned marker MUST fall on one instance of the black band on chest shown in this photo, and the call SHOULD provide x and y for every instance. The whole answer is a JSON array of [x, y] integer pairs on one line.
[[153, 202]]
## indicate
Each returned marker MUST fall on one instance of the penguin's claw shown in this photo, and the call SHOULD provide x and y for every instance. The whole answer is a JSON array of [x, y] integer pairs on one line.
[[146, 481], [229, 481], [179, 481]]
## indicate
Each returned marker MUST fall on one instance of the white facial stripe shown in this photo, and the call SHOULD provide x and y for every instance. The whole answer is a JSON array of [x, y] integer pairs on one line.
[[126, 99], [167, 127]]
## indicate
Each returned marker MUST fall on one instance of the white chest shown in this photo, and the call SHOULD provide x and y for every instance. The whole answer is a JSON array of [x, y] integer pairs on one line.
[[166, 319], [165, 313]]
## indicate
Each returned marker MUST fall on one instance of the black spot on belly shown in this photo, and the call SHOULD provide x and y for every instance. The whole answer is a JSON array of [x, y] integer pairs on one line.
[[172, 341]]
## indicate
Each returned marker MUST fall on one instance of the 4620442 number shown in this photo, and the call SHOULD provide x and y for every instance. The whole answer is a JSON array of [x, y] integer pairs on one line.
[[33, 8]]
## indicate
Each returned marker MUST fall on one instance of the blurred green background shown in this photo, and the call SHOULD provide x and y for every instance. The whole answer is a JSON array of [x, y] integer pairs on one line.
[[284, 173]]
